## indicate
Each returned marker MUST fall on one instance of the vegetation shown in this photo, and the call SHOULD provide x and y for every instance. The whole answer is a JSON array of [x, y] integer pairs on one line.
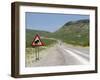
[[76, 33], [73, 32], [30, 34], [49, 42]]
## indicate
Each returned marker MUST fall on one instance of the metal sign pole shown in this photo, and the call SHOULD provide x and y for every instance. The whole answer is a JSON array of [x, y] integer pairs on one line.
[[38, 52], [35, 53]]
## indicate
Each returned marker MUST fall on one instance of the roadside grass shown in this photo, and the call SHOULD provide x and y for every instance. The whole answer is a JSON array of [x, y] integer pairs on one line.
[[77, 41], [74, 39], [30, 53], [49, 42]]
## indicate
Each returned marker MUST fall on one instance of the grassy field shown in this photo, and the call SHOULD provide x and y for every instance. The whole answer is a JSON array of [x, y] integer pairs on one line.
[[49, 42], [75, 33]]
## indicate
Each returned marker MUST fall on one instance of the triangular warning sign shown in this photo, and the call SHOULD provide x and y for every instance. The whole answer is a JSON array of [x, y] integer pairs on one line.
[[37, 41]]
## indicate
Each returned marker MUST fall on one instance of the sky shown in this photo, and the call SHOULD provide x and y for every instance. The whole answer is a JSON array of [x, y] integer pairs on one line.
[[49, 21]]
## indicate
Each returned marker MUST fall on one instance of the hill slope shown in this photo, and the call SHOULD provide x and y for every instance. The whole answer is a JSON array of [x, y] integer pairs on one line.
[[73, 32], [76, 33]]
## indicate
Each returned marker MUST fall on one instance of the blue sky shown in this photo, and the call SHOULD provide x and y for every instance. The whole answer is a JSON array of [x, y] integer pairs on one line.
[[49, 21]]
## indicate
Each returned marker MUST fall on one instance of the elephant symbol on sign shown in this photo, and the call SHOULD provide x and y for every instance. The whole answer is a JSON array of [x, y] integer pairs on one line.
[[37, 41]]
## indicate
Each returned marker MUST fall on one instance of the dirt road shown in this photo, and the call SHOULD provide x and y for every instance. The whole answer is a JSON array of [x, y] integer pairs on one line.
[[62, 54]]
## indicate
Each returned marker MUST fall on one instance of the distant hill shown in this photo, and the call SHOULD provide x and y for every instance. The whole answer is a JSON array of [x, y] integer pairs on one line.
[[30, 34], [34, 32], [73, 32]]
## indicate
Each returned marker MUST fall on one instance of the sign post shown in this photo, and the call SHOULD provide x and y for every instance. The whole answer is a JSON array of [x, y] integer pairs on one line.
[[36, 43]]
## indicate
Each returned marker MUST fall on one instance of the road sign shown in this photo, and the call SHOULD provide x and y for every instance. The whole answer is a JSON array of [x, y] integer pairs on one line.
[[37, 41]]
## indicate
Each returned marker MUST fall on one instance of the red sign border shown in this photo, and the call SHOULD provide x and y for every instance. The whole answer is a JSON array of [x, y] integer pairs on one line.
[[39, 39]]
